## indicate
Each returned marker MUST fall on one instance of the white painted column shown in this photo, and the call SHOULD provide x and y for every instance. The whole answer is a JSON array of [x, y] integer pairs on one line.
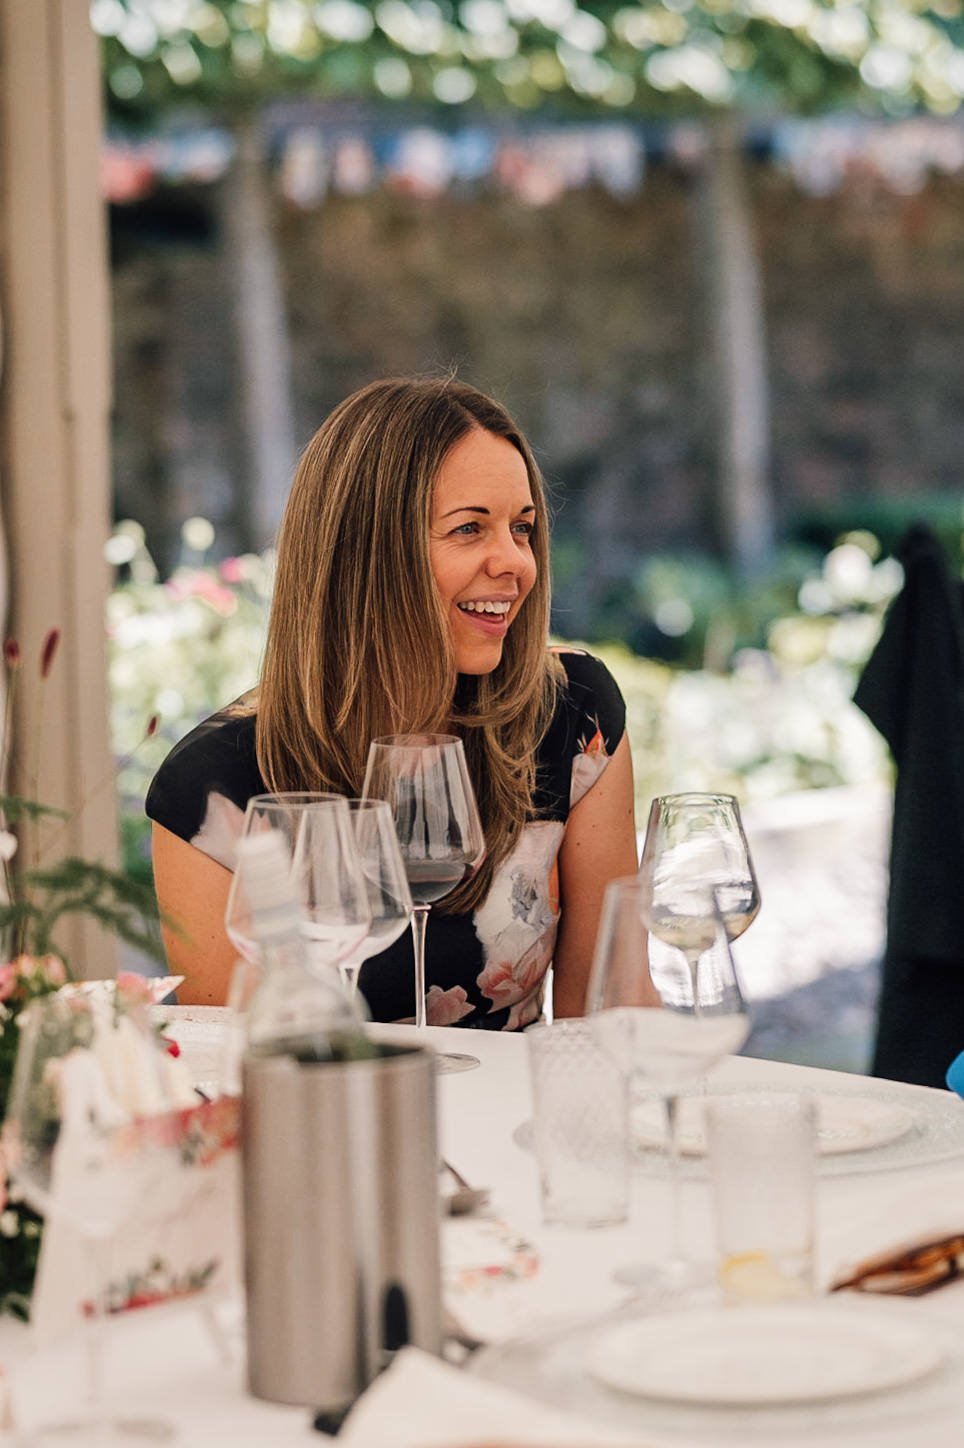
[[54, 419]]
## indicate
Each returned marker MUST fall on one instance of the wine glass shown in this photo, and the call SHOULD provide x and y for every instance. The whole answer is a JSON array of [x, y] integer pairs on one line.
[[425, 781], [317, 830], [383, 869], [282, 812], [666, 1024], [68, 1144], [695, 851], [329, 879]]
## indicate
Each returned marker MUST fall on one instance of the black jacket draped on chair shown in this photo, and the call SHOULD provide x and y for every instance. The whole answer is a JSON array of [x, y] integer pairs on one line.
[[912, 690]]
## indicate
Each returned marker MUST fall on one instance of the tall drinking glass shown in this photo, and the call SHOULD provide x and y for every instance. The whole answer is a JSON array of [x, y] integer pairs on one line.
[[425, 781], [666, 1024]]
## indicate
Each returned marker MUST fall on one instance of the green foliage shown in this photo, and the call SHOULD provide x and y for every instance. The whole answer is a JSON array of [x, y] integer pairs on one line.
[[602, 54], [41, 897], [15, 808], [819, 525], [123, 906]]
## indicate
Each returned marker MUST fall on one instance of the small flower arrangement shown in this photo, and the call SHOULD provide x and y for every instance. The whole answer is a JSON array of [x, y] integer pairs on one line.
[[37, 889]]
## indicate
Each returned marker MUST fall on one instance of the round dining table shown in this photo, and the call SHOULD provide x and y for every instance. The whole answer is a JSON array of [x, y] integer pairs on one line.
[[547, 1280]]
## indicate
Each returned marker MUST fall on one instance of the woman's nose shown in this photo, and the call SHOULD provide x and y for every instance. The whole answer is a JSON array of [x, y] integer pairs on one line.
[[504, 556]]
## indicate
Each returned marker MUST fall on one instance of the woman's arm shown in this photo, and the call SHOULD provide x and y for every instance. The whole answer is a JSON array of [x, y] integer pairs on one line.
[[192, 891], [599, 845]]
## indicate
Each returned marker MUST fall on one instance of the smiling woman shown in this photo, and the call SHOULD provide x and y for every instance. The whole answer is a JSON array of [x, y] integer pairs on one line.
[[480, 545], [412, 596]]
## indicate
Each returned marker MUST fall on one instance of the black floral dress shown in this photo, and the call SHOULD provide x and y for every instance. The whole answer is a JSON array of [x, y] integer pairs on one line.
[[486, 969]]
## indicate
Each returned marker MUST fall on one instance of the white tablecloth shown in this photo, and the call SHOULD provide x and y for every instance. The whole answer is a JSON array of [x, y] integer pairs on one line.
[[167, 1364]]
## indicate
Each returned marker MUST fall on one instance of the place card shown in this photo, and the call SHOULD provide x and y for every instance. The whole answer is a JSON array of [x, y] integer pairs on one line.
[[163, 1193]]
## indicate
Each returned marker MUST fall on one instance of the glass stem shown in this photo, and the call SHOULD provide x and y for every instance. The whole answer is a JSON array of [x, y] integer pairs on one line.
[[96, 1325], [419, 924], [693, 961], [693, 958], [349, 974], [675, 1235]]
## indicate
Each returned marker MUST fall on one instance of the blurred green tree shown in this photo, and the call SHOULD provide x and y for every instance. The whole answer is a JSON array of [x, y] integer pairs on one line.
[[724, 60]]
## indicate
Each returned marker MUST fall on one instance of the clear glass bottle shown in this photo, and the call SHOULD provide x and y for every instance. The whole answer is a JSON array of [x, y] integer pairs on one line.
[[294, 1010]]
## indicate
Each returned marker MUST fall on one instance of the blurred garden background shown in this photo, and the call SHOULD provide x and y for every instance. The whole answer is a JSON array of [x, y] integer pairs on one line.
[[711, 255]]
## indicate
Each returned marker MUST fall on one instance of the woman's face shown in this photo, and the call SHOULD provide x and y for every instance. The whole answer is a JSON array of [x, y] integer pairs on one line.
[[480, 545]]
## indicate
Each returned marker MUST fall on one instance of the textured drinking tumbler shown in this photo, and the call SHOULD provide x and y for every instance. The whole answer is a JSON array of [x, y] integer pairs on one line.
[[580, 1123]]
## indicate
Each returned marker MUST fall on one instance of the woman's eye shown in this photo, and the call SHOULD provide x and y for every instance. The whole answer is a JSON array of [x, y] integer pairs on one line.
[[524, 529], [465, 530]]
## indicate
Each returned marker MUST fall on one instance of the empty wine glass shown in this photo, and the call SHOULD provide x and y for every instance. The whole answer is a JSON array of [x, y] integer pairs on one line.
[[425, 781], [69, 1147], [665, 1024], [317, 830], [329, 879], [695, 851], [383, 869], [282, 812]]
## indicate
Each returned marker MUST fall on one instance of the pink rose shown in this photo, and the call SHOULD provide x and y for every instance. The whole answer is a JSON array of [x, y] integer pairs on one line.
[[55, 970], [8, 981], [47, 969], [134, 989]]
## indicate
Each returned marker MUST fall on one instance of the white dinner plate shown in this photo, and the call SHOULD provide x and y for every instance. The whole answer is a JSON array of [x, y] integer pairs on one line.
[[764, 1356], [844, 1123]]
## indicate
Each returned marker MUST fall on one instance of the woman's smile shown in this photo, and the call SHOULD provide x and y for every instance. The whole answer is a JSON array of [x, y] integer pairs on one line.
[[480, 546]]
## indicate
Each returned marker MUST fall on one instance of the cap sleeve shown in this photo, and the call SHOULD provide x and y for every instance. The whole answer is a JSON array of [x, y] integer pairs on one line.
[[201, 790], [598, 719]]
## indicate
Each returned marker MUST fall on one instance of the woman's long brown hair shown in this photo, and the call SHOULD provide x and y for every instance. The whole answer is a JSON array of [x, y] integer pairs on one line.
[[358, 640]]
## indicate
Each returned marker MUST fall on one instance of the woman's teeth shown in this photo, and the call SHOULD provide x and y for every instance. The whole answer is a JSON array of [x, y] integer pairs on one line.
[[487, 607]]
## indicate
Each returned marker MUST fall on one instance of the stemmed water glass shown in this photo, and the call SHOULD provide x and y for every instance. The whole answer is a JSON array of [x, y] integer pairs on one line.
[[317, 830], [695, 852], [383, 869], [326, 869], [425, 781], [665, 1024], [329, 878], [68, 1147]]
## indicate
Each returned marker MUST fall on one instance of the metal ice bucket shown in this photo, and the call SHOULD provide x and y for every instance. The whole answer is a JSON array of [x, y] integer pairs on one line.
[[341, 1221]]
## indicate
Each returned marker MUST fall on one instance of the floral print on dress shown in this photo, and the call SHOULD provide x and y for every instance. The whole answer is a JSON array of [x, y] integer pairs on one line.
[[220, 830], [516, 925], [446, 1007], [588, 763]]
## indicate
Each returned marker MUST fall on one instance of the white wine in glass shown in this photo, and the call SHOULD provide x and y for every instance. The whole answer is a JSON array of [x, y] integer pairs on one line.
[[696, 861]]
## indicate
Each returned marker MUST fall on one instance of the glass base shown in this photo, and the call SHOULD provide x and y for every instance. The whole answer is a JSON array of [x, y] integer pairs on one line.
[[448, 1062], [93, 1432], [671, 1280]]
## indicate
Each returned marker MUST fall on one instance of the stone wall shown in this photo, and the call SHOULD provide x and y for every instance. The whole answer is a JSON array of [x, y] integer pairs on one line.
[[585, 318]]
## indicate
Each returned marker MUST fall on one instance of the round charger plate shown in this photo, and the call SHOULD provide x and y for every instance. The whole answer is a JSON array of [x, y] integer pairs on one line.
[[931, 1128], [558, 1368], [764, 1356], [845, 1122]]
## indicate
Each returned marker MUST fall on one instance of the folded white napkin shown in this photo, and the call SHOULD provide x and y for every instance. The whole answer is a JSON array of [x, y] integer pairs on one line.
[[421, 1402]]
